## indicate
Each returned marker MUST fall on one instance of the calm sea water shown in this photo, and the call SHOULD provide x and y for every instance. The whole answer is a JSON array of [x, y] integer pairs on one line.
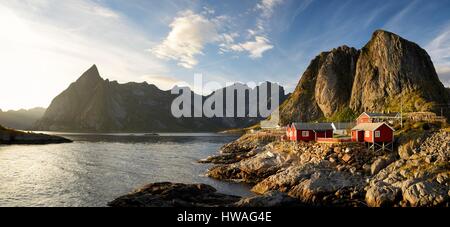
[[97, 168]]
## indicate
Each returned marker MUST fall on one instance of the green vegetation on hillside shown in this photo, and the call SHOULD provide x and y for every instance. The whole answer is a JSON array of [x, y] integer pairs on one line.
[[410, 102], [344, 115]]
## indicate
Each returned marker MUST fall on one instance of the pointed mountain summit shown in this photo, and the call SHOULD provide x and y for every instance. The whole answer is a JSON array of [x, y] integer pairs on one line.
[[90, 76], [92, 104]]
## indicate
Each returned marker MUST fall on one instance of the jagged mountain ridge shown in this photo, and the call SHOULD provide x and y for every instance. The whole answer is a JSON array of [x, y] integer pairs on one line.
[[92, 104], [21, 119], [389, 70]]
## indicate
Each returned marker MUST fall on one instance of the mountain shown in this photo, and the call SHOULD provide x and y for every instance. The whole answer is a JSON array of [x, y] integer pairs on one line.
[[92, 104], [388, 74], [21, 119]]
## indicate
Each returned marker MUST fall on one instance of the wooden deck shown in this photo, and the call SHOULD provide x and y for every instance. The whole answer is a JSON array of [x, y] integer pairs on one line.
[[335, 140]]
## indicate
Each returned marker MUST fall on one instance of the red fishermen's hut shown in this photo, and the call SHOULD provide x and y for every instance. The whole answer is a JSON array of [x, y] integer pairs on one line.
[[309, 131], [377, 118], [377, 135]]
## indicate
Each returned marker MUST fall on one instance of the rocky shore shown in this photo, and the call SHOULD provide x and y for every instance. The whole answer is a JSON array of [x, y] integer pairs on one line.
[[9, 137], [417, 174], [166, 194]]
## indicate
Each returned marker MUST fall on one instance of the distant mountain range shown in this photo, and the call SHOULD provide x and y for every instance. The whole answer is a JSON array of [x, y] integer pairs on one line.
[[388, 74], [21, 119], [92, 104]]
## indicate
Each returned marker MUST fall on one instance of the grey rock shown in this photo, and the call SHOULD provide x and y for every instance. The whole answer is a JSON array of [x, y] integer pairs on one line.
[[270, 199]]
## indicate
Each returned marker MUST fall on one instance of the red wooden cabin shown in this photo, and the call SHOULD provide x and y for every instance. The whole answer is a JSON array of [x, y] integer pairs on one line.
[[377, 117], [373, 133], [310, 131]]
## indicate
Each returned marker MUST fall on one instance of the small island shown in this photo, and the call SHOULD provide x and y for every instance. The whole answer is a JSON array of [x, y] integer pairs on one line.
[[11, 136]]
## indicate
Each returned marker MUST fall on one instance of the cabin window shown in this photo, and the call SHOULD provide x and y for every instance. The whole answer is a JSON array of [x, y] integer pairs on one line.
[[305, 133], [367, 134], [377, 134]]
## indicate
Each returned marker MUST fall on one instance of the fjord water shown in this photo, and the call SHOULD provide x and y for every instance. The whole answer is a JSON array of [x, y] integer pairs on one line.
[[97, 168]]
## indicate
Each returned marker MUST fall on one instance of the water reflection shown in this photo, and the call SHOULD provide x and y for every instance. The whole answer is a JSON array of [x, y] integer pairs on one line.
[[97, 168]]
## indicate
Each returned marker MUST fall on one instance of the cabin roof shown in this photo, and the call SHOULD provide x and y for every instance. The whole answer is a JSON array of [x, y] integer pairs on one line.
[[343, 125], [380, 115], [313, 126], [370, 126]]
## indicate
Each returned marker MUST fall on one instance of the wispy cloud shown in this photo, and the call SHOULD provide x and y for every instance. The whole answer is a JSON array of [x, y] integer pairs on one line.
[[267, 7], [191, 32], [189, 35], [257, 41], [255, 48], [398, 19], [439, 49]]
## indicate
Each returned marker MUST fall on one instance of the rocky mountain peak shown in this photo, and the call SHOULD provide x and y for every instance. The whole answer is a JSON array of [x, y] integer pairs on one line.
[[391, 68], [387, 72], [90, 76]]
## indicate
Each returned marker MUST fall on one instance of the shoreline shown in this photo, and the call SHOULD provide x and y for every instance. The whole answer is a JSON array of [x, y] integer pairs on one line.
[[335, 175]]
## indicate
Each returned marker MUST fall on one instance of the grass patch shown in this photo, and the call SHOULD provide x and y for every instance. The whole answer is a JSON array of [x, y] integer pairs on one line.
[[344, 115]]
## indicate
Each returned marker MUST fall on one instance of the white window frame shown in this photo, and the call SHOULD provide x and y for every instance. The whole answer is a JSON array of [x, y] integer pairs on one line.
[[305, 133], [367, 134], [377, 134]]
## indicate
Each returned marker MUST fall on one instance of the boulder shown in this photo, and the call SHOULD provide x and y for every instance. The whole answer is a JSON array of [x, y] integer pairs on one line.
[[382, 195], [381, 163], [315, 184], [168, 194], [270, 199], [254, 169], [425, 194]]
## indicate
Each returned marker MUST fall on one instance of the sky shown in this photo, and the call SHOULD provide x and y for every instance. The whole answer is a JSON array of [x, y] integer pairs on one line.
[[47, 44]]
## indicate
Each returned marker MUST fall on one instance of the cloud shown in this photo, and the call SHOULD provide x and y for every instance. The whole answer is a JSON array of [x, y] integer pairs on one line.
[[255, 48], [187, 39], [50, 43], [267, 7], [398, 19], [439, 50]]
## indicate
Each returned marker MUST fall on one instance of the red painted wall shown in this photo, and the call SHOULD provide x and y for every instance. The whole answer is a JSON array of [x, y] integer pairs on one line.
[[325, 134], [299, 137], [368, 137], [363, 119], [386, 134]]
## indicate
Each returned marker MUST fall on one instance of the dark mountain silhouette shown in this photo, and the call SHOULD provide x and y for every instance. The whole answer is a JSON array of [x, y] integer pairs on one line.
[[93, 104]]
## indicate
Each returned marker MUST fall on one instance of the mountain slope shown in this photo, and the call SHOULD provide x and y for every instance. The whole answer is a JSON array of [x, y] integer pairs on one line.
[[92, 104], [324, 88], [388, 72], [21, 119], [389, 67]]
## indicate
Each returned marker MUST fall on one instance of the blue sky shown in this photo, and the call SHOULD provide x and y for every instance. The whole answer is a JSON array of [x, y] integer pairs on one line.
[[49, 43]]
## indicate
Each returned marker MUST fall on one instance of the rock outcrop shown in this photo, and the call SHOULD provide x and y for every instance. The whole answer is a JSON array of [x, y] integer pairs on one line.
[[390, 66], [420, 179], [9, 136], [315, 184], [324, 88], [348, 174], [346, 80], [245, 147], [175, 195], [270, 199], [168, 194]]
